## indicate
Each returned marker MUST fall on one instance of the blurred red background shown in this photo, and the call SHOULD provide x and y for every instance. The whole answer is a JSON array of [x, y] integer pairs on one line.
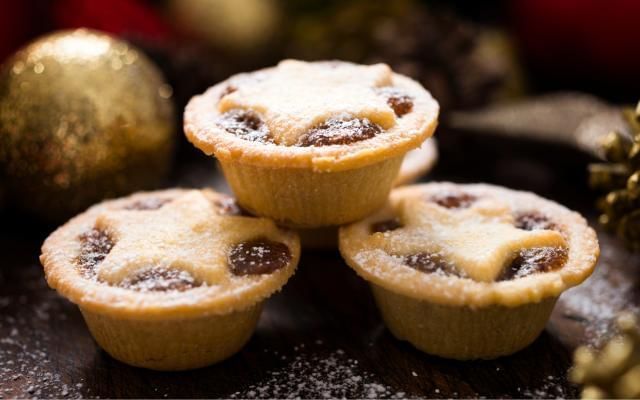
[[560, 44]]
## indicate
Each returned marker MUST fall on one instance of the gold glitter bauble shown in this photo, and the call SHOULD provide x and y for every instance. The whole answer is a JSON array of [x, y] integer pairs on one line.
[[83, 116]]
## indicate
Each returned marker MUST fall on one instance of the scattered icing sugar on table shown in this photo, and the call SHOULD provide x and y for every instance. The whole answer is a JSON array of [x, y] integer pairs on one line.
[[600, 299], [550, 388], [333, 375], [25, 366]]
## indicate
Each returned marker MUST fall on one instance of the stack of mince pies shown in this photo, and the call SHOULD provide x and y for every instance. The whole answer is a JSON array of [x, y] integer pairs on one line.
[[175, 279]]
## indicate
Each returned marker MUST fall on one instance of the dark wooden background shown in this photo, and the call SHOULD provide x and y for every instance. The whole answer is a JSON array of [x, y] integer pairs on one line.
[[321, 336]]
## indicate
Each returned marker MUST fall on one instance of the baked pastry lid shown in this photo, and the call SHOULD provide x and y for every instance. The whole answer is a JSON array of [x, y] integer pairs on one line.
[[379, 268], [201, 130], [62, 275]]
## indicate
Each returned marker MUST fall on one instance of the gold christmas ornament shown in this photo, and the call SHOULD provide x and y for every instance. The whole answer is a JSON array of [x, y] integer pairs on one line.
[[83, 116], [619, 177], [614, 371]]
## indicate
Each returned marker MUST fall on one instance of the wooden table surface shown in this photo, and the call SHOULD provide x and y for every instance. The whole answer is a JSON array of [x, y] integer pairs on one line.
[[321, 336]]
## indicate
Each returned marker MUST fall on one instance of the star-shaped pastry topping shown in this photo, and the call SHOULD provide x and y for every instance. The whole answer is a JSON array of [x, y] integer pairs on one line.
[[480, 240], [296, 96], [185, 234]]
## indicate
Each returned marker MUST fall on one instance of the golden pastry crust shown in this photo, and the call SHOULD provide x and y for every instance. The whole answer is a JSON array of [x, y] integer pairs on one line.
[[417, 162], [364, 252], [400, 134], [191, 231]]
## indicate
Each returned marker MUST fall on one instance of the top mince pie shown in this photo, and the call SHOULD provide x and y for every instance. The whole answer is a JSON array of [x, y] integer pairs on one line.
[[312, 144]]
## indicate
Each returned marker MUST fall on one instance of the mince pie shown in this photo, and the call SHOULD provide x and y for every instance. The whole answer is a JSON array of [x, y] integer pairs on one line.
[[169, 280], [469, 271], [312, 144]]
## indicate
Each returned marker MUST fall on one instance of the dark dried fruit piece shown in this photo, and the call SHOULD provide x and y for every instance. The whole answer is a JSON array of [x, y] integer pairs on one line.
[[530, 221], [454, 200], [228, 90], [245, 124], [340, 131], [258, 256], [150, 203], [400, 102], [160, 279], [386, 225], [95, 245], [430, 263], [537, 259]]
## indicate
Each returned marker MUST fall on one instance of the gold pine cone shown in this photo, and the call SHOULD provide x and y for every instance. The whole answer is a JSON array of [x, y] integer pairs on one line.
[[614, 371], [83, 116], [619, 178]]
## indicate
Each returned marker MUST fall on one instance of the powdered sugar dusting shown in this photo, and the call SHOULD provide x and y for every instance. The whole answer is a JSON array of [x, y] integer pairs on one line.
[[160, 279], [552, 387], [245, 124], [532, 220], [534, 260], [27, 370], [454, 199], [340, 130], [597, 302], [431, 263], [147, 203], [315, 376], [95, 246], [296, 96], [259, 256], [400, 102]]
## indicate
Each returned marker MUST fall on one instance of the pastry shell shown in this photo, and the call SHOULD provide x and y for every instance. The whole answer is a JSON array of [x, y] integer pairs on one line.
[[309, 187]]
